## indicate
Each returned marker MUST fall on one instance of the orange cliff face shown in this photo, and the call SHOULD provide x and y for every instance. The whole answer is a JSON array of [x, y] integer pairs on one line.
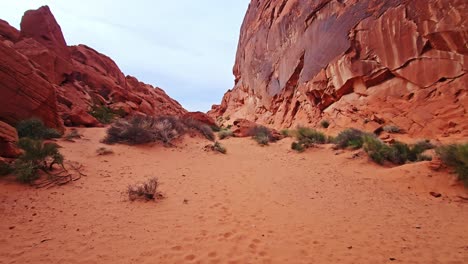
[[362, 64], [41, 76]]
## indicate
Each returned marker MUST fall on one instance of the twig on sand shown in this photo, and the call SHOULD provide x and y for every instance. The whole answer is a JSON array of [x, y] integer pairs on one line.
[[62, 177]]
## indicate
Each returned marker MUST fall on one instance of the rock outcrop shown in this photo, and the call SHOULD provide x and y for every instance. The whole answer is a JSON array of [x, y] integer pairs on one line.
[[360, 64], [41, 76]]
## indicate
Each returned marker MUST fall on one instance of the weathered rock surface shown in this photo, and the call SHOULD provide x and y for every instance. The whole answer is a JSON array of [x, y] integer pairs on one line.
[[8, 140], [41, 76], [200, 116], [243, 128], [358, 64]]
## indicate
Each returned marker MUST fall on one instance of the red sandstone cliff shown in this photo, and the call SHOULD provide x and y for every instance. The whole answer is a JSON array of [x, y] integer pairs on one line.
[[354, 63], [43, 77]]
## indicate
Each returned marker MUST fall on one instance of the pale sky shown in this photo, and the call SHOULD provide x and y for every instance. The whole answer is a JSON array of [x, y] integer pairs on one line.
[[186, 47]]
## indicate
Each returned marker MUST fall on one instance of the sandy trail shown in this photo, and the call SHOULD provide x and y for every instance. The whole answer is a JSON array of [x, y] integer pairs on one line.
[[253, 205]]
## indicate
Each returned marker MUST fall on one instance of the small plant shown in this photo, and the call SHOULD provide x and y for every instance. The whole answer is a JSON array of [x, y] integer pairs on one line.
[[34, 128], [307, 137], [225, 133], [147, 190], [102, 151], [391, 129], [219, 148], [456, 157], [376, 149], [5, 168], [350, 138], [105, 114], [215, 128], [37, 156], [262, 135], [285, 132], [72, 135], [325, 123]]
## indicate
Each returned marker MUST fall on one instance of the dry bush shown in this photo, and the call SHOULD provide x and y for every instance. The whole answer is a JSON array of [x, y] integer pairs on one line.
[[262, 135], [72, 135], [147, 190], [225, 133], [350, 138], [201, 127], [307, 137], [456, 157], [102, 151]]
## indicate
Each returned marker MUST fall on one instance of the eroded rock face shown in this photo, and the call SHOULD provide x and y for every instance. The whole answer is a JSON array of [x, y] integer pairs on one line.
[[360, 64], [8, 140], [41, 76]]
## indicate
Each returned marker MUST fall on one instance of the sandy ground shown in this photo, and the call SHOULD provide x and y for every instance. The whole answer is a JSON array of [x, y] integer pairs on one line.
[[253, 205]]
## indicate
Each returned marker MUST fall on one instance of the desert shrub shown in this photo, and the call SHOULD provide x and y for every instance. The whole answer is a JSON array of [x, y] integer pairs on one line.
[[102, 151], [424, 157], [37, 156], [144, 129], [72, 135], [456, 157], [105, 114], [297, 147], [147, 190], [391, 129], [306, 138], [215, 128], [377, 150], [285, 132], [34, 128], [5, 168], [202, 128], [325, 123], [261, 134], [219, 148], [350, 138], [399, 153], [310, 135], [225, 133]]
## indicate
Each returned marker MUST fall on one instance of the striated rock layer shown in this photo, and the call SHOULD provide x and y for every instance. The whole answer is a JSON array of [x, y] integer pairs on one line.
[[40, 76], [359, 64]]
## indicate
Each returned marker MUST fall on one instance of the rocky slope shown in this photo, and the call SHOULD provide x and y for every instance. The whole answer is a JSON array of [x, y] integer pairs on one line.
[[354, 63], [41, 76]]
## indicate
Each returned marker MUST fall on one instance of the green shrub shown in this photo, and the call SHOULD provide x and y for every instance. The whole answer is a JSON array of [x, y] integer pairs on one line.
[[36, 156], [285, 132], [34, 128], [297, 147], [391, 129], [105, 114], [376, 149], [456, 157], [350, 138], [5, 168], [225, 133], [325, 124], [261, 134], [307, 137], [215, 128]]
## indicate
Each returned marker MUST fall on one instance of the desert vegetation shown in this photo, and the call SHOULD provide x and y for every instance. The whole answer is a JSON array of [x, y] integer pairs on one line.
[[216, 147], [325, 123], [105, 114], [102, 151], [306, 138], [147, 190], [455, 156], [225, 133], [262, 135], [145, 129], [34, 128]]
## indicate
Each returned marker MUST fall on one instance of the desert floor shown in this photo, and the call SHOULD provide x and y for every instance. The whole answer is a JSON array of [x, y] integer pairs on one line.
[[254, 205]]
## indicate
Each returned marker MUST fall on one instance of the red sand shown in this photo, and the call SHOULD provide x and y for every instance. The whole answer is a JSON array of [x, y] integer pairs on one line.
[[253, 205]]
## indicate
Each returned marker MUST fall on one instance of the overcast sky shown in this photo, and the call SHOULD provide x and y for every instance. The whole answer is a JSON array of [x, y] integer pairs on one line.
[[186, 47]]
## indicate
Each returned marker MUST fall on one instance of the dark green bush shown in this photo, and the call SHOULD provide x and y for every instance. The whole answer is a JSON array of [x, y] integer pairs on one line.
[[297, 147], [34, 128], [325, 123], [105, 114], [37, 156], [376, 149], [456, 157], [350, 138], [5, 168], [285, 132], [397, 153]]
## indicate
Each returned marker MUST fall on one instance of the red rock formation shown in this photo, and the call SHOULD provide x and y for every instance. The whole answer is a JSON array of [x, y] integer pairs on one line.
[[357, 64], [202, 117], [8, 140], [41, 76]]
